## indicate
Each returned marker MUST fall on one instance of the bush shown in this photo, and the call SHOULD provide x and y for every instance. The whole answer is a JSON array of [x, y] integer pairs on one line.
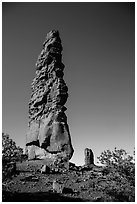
[[119, 170], [10, 154]]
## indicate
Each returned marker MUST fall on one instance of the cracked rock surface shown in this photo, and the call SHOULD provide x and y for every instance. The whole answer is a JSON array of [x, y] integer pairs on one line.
[[48, 135]]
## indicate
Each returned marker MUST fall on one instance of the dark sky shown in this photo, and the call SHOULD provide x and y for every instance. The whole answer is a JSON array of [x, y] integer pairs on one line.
[[98, 52]]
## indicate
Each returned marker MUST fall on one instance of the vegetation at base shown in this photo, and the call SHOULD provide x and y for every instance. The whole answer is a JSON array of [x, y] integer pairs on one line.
[[11, 153], [119, 171], [114, 181]]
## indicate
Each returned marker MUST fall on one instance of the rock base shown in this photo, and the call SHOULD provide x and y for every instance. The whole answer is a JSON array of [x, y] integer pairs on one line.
[[42, 166]]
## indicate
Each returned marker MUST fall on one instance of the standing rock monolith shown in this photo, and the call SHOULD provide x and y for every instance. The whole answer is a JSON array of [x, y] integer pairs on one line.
[[89, 157], [48, 136]]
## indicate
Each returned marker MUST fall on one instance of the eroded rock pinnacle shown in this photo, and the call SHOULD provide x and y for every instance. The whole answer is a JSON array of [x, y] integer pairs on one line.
[[48, 136]]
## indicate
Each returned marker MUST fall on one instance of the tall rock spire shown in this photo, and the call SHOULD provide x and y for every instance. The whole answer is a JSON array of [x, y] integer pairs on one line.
[[48, 136]]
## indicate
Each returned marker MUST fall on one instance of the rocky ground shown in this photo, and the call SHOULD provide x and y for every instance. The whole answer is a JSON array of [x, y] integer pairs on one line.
[[78, 184]]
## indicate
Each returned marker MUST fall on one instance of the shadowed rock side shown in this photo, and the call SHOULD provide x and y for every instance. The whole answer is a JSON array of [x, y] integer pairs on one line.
[[89, 157], [48, 136]]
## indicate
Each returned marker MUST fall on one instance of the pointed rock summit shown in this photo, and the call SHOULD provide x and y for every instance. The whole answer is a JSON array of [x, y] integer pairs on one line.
[[48, 136]]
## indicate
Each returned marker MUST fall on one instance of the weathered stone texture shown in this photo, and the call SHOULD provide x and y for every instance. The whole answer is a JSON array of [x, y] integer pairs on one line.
[[89, 157], [48, 135]]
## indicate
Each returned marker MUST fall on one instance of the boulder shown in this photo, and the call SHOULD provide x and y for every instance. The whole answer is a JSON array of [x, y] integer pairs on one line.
[[45, 169]]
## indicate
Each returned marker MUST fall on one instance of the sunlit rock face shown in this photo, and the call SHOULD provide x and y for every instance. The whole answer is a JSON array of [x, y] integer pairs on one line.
[[48, 136]]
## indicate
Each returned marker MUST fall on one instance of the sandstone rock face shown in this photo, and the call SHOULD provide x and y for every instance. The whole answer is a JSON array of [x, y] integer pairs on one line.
[[89, 157], [48, 136], [45, 169]]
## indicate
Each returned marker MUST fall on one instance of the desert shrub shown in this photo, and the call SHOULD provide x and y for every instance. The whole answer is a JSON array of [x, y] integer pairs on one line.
[[119, 169], [10, 154]]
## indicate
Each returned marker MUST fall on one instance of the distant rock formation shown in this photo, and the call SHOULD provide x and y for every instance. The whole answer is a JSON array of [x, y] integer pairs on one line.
[[48, 136], [89, 157]]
